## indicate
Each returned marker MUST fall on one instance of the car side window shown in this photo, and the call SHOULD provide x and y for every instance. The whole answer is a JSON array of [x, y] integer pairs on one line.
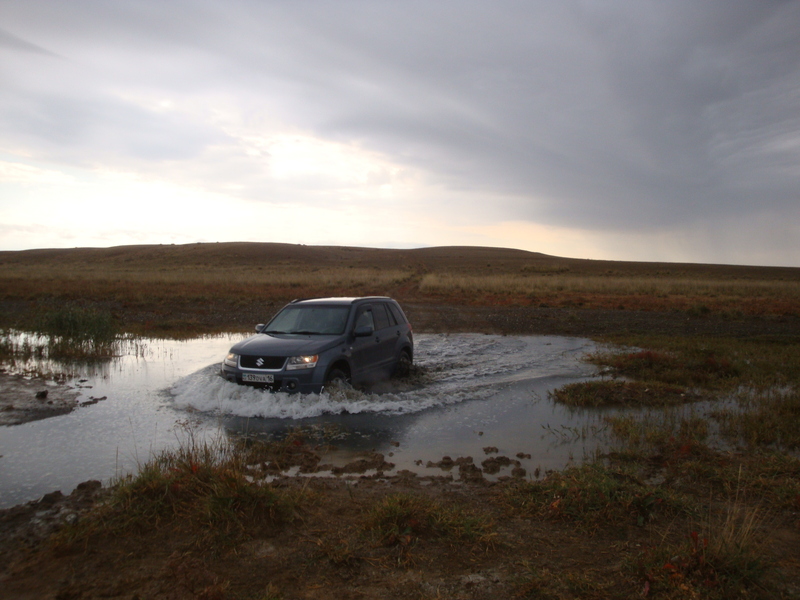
[[365, 319], [392, 317], [398, 316], [381, 318]]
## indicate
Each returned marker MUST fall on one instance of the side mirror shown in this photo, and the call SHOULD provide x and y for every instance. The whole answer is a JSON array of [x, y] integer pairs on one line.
[[364, 331], [259, 327]]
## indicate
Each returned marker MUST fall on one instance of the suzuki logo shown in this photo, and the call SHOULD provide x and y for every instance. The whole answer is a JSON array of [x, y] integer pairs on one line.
[[260, 362]]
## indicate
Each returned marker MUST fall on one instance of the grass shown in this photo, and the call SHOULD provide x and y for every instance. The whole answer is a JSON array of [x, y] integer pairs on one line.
[[548, 283], [207, 485], [77, 332], [547, 584], [703, 432], [129, 281], [713, 363], [595, 496], [652, 429], [696, 296], [405, 519], [693, 365], [605, 393], [721, 557], [769, 418], [65, 333], [203, 287], [731, 458], [753, 386]]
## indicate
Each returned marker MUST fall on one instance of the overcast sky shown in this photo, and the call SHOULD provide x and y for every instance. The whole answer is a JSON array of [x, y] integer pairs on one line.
[[616, 129]]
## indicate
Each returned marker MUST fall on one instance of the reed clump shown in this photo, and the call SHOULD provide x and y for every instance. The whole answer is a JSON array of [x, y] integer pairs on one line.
[[78, 333]]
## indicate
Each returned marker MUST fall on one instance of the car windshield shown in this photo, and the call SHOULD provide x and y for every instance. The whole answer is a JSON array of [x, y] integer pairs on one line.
[[310, 320]]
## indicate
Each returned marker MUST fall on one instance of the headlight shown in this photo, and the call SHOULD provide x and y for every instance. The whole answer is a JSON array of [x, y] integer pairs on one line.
[[232, 360], [301, 362]]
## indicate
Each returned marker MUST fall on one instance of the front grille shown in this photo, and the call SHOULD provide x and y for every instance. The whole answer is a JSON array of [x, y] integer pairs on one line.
[[273, 363]]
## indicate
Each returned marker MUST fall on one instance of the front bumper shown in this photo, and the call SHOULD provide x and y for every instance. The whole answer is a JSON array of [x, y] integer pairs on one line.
[[290, 383]]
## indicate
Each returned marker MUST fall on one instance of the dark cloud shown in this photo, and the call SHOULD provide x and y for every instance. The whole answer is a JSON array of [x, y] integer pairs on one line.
[[617, 115], [96, 130]]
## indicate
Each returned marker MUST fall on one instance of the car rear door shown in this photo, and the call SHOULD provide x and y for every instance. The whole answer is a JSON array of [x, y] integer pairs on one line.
[[386, 333], [374, 356], [364, 354]]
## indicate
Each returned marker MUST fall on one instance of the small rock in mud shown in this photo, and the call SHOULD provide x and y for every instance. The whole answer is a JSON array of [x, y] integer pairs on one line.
[[490, 450], [523, 455], [374, 460], [93, 400], [445, 464], [470, 473], [494, 464]]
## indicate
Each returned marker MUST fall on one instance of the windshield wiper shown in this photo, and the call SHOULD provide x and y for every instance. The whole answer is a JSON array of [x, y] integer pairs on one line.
[[273, 331], [303, 332]]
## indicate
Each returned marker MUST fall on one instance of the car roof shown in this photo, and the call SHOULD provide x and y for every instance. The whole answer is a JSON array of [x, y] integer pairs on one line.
[[338, 301]]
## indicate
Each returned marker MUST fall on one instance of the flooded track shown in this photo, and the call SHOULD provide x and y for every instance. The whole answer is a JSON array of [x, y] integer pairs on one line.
[[470, 392]]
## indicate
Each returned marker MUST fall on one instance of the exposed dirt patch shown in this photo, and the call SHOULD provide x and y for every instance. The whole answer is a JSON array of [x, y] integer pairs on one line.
[[25, 526]]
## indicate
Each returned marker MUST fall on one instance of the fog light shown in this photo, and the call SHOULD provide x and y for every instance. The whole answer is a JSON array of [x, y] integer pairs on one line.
[[292, 385]]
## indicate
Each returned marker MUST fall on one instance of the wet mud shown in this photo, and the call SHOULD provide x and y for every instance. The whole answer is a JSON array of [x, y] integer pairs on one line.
[[24, 399]]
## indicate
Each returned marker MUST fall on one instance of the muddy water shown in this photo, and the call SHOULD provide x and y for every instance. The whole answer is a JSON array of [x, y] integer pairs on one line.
[[473, 392]]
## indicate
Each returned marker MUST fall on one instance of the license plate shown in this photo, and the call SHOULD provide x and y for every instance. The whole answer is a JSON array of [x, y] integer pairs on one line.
[[258, 378]]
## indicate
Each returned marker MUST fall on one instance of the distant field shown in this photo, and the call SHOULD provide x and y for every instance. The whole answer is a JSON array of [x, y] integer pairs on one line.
[[174, 286]]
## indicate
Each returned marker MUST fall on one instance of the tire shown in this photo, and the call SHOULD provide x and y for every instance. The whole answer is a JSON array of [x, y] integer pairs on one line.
[[337, 378], [404, 364]]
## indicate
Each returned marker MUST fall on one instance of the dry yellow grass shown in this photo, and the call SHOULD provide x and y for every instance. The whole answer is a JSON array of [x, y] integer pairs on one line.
[[280, 276], [445, 283]]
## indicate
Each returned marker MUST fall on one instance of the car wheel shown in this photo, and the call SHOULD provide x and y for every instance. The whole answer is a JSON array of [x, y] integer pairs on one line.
[[404, 364], [337, 378]]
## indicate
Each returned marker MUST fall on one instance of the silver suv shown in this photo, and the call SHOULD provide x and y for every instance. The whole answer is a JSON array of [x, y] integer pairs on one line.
[[317, 342]]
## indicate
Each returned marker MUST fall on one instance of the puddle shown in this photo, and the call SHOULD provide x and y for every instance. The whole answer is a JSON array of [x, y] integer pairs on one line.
[[477, 392]]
